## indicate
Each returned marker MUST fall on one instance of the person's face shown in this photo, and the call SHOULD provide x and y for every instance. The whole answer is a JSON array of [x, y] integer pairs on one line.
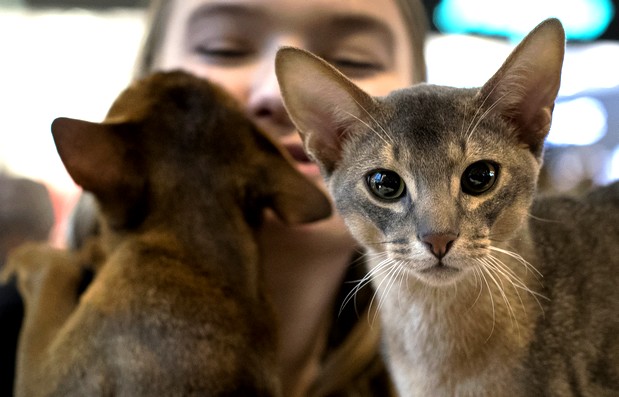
[[234, 42]]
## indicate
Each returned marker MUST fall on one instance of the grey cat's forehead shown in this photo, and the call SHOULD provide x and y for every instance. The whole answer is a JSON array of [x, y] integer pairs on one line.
[[427, 106], [428, 118]]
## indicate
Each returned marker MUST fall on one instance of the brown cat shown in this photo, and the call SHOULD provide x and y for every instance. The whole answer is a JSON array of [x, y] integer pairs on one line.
[[482, 289], [178, 306]]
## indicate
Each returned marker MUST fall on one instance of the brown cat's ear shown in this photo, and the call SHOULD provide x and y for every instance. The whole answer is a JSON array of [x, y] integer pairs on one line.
[[526, 86], [293, 197], [98, 158], [91, 152], [296, 199], [322, 103]]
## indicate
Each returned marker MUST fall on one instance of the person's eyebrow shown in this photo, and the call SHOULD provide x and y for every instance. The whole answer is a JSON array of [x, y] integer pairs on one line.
[[360, 22], [225, 10]]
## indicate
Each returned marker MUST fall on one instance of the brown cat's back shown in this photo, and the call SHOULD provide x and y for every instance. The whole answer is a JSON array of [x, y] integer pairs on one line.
[[162, 295]]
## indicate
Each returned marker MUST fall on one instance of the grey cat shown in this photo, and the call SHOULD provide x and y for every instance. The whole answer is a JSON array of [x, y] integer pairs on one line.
[[482, 288]]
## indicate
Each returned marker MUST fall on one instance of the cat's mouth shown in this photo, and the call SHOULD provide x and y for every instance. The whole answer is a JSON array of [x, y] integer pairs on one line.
[[439, 273], [439, 267]]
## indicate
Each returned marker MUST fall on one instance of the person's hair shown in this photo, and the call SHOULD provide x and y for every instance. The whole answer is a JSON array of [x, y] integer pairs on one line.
[[413, 13]]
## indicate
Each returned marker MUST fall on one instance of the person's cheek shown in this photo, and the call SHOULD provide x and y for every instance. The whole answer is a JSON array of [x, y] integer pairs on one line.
[[235, 81]]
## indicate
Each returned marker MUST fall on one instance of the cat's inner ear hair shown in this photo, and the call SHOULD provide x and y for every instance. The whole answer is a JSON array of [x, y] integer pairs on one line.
[[322, 103], [526, 86]]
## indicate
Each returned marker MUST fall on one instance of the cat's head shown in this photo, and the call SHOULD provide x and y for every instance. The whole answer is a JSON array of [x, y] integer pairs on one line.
[[434, 176], [174, 145]]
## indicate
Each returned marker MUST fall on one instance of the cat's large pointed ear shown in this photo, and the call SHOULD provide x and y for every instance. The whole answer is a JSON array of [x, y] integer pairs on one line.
[[100, 160], [526, 86], [322, 103]]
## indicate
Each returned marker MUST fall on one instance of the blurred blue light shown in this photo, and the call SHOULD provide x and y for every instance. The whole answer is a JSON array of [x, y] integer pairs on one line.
[[582, 19], [582, 121], [613, 166]]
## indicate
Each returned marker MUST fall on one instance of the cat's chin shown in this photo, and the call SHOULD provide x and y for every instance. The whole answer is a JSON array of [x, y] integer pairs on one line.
[[439, 274]]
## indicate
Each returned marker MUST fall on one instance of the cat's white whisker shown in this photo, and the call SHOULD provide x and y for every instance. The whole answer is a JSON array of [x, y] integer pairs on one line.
[[387, 268], [363, 256], [519, 284], [367, 279], [389, 278], [518, 257], [491, 271], [476, 272], [383, 266], [402, 278], [537, 218], [486, 113], [387, 135], [378, 134], [462, 133], [482, 272], [507, 274], [512, 277], [467, 133]]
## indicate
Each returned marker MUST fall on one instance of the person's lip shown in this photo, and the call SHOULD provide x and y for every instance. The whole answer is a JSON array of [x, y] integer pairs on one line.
[[304, 164], [297, 153]]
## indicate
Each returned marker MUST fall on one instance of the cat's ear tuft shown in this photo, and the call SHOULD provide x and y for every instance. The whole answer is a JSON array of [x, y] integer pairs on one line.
[[322, 103], [526, 86]]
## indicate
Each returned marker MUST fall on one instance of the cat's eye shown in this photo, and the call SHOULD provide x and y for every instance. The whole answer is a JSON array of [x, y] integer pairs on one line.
[[479, 177], [386, 185]]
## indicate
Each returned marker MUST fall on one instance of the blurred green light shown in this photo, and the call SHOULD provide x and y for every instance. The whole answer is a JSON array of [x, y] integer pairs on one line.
[[582, 19]]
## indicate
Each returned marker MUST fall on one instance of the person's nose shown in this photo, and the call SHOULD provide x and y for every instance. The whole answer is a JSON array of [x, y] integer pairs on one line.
[[265, 105]]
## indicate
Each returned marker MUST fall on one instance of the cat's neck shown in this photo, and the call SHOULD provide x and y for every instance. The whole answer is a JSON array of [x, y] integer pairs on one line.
[[446, 339]]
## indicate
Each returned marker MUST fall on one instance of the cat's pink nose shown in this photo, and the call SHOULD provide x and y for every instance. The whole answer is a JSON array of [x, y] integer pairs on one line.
[[439, 243]]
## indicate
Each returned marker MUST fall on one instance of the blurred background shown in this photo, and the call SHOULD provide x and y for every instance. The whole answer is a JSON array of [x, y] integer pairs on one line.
[[72, 58]]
